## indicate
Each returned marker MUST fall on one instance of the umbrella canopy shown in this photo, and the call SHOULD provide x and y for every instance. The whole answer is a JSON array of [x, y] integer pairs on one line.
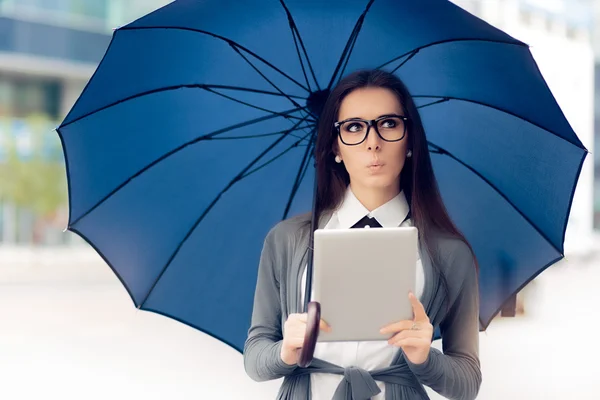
[[195, 136]]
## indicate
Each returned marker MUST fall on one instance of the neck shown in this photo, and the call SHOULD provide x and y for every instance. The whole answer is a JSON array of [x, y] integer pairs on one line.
[[373, 198]]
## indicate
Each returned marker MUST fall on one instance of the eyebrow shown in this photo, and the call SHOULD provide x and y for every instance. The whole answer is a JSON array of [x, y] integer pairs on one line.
[[382, 115]]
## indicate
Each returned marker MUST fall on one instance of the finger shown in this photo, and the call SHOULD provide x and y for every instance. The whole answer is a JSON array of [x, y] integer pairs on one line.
[[418, 309], [405, 334], [396, 327], [296, 342], [324, 326], [409, 342], [301, 317], [297, 318]]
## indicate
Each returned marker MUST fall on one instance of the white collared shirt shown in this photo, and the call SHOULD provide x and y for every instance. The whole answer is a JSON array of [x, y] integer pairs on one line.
[[372, 354]]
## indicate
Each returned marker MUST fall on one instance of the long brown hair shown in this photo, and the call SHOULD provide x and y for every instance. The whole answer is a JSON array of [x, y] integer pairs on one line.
[[417, 180]]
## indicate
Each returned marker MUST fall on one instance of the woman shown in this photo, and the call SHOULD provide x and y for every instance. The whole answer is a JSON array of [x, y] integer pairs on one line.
[[372, 161]]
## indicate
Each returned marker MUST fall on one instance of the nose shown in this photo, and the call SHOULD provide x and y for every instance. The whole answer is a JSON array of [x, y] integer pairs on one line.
[[373, 141]]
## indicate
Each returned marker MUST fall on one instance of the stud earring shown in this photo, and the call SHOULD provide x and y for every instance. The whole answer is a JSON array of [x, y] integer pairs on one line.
[[409, 154], [338, 159]]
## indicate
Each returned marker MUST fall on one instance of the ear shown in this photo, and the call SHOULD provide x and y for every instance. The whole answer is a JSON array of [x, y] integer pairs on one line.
[[335, 149]]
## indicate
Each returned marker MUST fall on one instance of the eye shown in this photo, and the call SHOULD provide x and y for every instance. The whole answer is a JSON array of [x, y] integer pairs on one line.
[[388, 123], [353, 127]]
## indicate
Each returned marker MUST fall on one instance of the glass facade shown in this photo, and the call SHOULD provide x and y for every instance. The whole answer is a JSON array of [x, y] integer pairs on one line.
[[575, 13], [94, 15], [121, 12], [85, 8], [596, 150], [24, 96], [82, 14]]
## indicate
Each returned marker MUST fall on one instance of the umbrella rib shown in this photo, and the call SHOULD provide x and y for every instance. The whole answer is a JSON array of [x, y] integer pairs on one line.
[[412, 54], [439, 150], [265, 77], [433, 102], [175, 87], [348, 57], [447, 98], [208, 136], [416, 50], [261, 135], [232, 43], [296, 33], [236, 179], [266, 163], [300, 56], [240, 101], [300, 176], [349, 44]]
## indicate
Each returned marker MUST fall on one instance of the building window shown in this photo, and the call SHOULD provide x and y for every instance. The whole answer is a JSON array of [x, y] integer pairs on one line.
[[87, 8], [525, 17], [94, 9], [6, 97], [91, 14], [21, 97]]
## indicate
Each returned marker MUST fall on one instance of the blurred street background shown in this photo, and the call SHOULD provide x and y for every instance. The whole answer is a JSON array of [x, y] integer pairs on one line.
[[68, 329]]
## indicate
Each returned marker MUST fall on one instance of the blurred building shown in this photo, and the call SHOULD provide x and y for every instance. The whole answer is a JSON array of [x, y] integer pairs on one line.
[[48, 51], [560, 35], [596, 149]]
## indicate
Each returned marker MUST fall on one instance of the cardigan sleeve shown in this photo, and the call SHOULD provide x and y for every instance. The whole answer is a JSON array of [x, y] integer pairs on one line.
[[262, 349], [456, 373]]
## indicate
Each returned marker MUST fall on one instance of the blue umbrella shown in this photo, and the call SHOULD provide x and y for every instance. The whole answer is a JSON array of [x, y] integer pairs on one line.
[[195, 136]]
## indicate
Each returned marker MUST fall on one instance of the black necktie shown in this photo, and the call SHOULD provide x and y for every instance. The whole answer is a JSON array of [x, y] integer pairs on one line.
[[367, 222], [372, 222]]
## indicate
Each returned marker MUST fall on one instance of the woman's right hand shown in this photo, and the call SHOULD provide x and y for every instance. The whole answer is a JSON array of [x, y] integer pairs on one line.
[[294, 331]]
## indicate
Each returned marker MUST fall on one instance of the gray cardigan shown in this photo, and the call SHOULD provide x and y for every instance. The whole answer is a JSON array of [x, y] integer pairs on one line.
[[454, 374]]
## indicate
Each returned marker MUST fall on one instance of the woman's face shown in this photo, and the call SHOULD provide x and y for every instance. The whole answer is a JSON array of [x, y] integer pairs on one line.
[[374, 163]]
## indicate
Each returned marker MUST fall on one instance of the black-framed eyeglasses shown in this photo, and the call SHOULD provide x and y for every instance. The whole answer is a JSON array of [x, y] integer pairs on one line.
[[354, 131]]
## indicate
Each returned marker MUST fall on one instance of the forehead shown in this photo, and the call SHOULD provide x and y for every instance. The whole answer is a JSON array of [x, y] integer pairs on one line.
[[369, 103]]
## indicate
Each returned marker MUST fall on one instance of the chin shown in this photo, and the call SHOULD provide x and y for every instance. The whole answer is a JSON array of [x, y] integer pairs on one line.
[[380, 182]]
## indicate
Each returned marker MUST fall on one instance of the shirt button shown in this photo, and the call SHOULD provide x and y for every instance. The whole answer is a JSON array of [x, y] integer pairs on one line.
[[367, 226]]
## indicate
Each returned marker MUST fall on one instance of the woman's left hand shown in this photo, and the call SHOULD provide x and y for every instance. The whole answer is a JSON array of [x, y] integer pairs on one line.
[[412, 336]]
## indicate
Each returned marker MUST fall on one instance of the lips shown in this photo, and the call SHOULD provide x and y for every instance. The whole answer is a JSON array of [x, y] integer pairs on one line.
[[375, 164]]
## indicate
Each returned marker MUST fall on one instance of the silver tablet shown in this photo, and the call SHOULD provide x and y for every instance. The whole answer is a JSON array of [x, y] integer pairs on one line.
[[362, 278]]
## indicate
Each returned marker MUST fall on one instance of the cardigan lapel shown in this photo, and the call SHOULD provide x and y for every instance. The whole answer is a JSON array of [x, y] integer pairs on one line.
[[299, 264]]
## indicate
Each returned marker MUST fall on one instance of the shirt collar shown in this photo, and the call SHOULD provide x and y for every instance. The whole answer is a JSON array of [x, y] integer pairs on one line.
[[389, 215]]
